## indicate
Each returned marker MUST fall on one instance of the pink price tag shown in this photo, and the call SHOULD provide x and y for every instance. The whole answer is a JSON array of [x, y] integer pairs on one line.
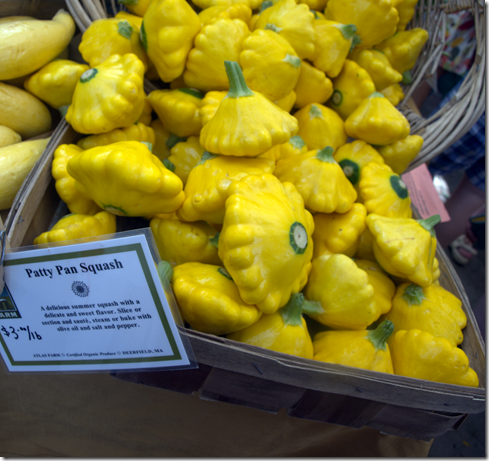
[[423, 193]]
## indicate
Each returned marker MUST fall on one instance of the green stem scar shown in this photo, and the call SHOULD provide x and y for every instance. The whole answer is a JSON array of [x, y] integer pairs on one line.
[[351, 170], [298, 238], [399, 186], [88, 75], [337, 97]]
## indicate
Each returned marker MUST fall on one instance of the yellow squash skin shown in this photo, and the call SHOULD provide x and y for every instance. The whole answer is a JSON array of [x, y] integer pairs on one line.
[[179, 242], [419, 354], [342, 290], [178, 110], [283, 331], [270, 64], [352, 157], [137, 132], [333, 43], [234, 11], [432, 309], [365, 246], [204, 4], [167, 34], [184, 157], [400, 154], [312, 87], [23, 112], [352, 85], [8, 136], [216, 43], [294, 146], [108, 36], [76, 226], [319, 179], [365, 349], [406, 11], [320, 126], [55, 82], [209, 300], [207, 187], [136, 7], [376, 121], [377, 66], [375, 20], [65, 184], [405, 247], [109, 96], [27, 45], [162, 139], [384, 287], [246, 123], [383, 192], [288, 102], [126, 179], [402, 49], [394, 93], [339, 232], [210, 103], [16, 162], [294, 22], [265, 242]]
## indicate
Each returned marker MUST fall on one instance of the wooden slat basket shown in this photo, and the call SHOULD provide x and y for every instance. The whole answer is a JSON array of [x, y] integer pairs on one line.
[[241, 374]]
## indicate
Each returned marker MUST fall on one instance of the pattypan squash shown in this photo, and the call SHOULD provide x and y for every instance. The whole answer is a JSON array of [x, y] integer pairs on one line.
[[138, 132], [136, 7], [377, 66], [246, 123], [383, 192], [65, 184], [319, 179], [375, 20], [419, 354], [210, 103], [162, 136], [109, 96], [178, 110], [316, 6], [184, 157], [376, 121], [179, 242], [350, 88], [384, 287], [365, 246], [265, 218], [207, 186], [403, 49], [167, 34], [394, 93], [204, 4], [340, 294], [334, 42], [107, 36], [339, 232], [233, 11], [146, 116], [216, 43], [77, 226], [134, 19], [294, 146], [294, 22], [406, 10], [126, 179], [209, 299], [352, 157], [367, 349], [283, 331], [287, 102], [55, 82], [405, 247], [313, 86], [400, 154], [432, 309], [320, 126], [269, 63]]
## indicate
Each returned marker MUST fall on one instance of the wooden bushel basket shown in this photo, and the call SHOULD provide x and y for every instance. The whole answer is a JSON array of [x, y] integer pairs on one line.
[[246, 375]]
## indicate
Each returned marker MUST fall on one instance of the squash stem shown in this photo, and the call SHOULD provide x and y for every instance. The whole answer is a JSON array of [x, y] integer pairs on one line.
[[429, 223], [381, 334], [237, 84], [291, 313], [326, 155], [413, 295], [312, 308]]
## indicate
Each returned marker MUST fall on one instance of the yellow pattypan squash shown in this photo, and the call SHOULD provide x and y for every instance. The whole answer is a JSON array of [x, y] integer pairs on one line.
[[406, 11], [400, 154], [393, 93], [136, 7], [210, 103], [77, 226], [294, 146], [287, 103], [137, 132], [367, 349], [109, 96], [184, 157], [313, 86], [246, 123], [283, 331], [162, 136], [265, 218], [319, 179], [126, 179], [204, 4], [232, 11], [365, 246]]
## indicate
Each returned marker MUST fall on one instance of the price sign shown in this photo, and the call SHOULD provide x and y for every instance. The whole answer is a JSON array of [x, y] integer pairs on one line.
[[90, 306]]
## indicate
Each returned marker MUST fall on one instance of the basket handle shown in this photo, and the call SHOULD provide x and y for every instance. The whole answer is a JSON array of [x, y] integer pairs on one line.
[[452, 6]]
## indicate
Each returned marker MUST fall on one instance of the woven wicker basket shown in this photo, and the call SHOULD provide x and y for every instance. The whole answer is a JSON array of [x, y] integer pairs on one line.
[[440, 130]]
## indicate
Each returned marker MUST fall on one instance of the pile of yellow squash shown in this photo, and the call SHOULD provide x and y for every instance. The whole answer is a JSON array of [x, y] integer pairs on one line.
[[268, 168]]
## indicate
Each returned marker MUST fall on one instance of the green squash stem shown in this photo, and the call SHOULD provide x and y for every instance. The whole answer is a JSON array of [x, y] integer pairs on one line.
[[413, 295], [381, 334], [237, 84], [291, 313]]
